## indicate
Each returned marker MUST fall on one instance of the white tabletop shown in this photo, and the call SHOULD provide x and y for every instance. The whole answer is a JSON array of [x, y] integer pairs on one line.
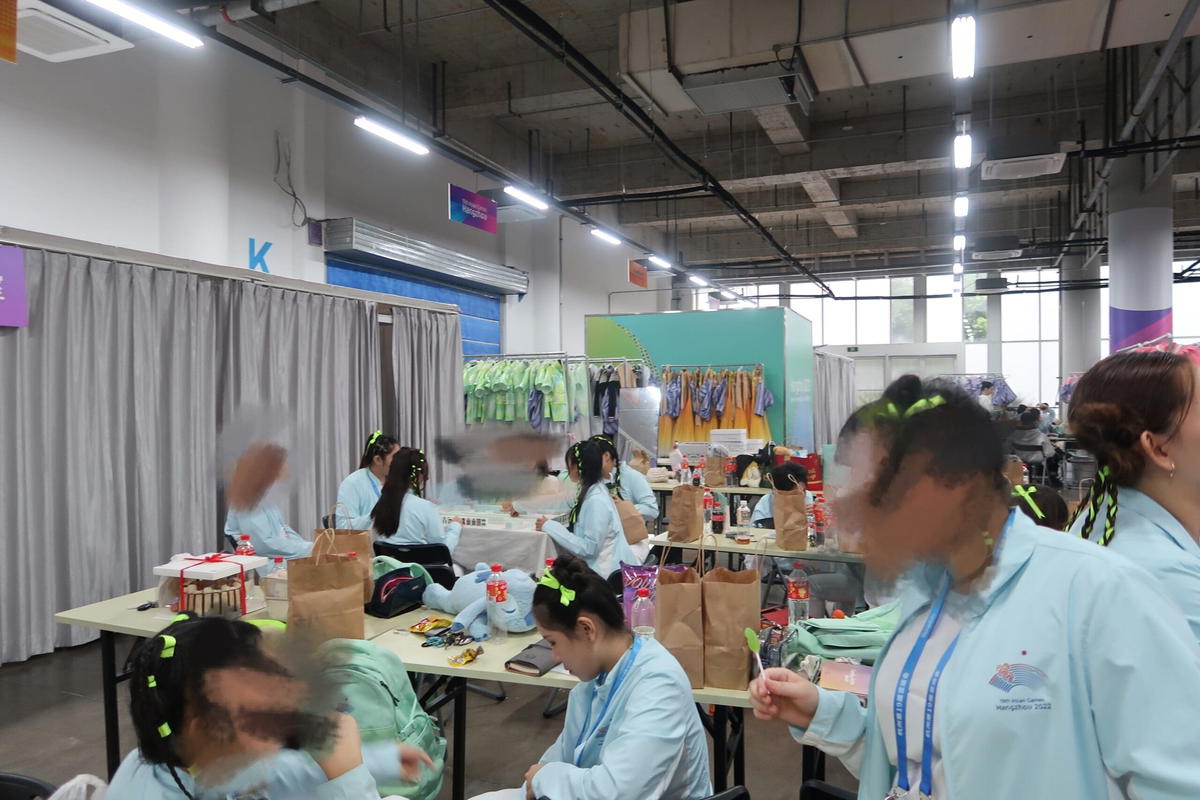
[[667, 488], [762, 544], [526, 550]]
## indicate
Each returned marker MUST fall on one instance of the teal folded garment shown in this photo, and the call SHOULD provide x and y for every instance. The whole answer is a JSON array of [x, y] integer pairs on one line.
[[861, 636]]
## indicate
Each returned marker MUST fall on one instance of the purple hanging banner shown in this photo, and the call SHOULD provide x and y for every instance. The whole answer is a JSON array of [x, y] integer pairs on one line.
[[472, 209], [14, 309]]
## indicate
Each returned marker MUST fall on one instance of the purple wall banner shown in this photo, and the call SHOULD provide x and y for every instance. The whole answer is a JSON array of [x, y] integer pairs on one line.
[[14, 308], [1127, 328], [472, 209]]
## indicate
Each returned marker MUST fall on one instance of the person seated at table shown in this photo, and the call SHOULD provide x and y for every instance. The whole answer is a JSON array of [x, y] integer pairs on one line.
[[402, 515], [1044, 505], [631, 729], [216, 716], [1033, 447], [629, 484], [594, 531], [786, 476], [258, 468], [361, 489]]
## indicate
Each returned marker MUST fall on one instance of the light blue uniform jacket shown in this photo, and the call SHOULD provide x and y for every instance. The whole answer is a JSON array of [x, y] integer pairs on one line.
[[269, 534], [356, 498], [1150, 536], [288, 775], [1118, 694], [636, 489], [420, 523], [650, 745], [599, 537]]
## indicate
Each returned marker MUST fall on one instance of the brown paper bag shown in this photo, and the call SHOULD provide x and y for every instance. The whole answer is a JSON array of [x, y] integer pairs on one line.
[[631, 520], [679, 623], [791, 519], [685, 521], [731, 604], [714, 472], [325, 597], [343, 541]]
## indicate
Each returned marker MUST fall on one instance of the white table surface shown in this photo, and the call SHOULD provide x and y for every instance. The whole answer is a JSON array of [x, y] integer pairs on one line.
[[515, 549], [667, 488], [761, 545]]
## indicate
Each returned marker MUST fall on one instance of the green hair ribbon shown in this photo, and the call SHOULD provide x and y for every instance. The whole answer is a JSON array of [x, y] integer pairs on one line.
[[164, 730], [371, 441], [1026, 493], [924, 404], [565, 596], [168, 648]]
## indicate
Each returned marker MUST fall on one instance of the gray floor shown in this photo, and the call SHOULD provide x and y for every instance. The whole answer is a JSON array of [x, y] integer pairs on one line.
[[52, 727]]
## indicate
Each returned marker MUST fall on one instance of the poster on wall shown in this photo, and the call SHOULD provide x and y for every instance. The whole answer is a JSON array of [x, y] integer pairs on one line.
[[471, 209], [639, 275], [14, 308]]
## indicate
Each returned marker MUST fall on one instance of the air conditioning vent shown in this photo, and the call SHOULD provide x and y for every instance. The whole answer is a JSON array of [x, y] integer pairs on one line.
[[991, 285], [54, 35], [743, 88], [1011, 169], [996, 248]]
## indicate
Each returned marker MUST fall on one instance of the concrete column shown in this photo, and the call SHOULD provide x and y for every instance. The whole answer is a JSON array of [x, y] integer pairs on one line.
[[1078, 319], [1141, 249], [920, 310], [995, 335]]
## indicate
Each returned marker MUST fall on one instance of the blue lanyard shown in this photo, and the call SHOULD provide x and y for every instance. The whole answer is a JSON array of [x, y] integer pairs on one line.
[[375, 485], [584, 733], [900, 701]]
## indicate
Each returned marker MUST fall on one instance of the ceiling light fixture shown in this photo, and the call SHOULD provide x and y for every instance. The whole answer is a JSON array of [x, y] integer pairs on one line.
[[958, 268], [605, 236], [661, 263], [960, 242], [962, 205], [962, 47], [526, 198], [393, 136], [150, 21], [962, 151], [696, 279], [728, 295]]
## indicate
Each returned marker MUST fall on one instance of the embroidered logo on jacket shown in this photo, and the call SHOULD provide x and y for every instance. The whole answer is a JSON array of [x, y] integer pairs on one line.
[[1010, 675]]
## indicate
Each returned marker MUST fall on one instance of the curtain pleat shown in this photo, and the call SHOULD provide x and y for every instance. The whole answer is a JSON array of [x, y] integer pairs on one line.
[[833, 396]]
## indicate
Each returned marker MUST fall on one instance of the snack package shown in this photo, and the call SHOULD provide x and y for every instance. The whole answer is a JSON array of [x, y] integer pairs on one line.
[[634, 577], [431, 626], [466, 656]]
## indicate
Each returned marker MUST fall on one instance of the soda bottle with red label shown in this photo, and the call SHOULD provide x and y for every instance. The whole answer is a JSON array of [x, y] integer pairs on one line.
[[497, 597], [797, 594]]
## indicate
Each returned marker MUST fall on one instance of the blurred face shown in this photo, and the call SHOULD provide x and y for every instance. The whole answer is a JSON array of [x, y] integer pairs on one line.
[[573, 471], [917, 518], [576, 651], [607, 463]]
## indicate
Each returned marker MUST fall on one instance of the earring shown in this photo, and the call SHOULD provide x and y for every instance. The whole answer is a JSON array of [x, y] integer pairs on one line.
[[988, 540], [1172, 472]]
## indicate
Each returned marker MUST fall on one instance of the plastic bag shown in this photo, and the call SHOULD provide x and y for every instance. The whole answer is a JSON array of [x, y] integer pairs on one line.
[[81, 787]]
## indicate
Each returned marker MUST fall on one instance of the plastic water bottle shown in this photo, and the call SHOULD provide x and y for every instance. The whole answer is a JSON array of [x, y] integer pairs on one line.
[[797, 594], [709, 502], [253, 588], [676, 460], [244, 547], [685, 474], [700, 472], [731, 471], [641, 617], [743, 515], [497, 595]]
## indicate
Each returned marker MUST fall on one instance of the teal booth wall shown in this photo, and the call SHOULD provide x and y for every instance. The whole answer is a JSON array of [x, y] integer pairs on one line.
[[778, 338]]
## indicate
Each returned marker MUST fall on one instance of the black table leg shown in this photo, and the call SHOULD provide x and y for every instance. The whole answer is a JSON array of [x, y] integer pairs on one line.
[[458, 780], [108, 679], [812, 764], [739, 750], [720, 754]]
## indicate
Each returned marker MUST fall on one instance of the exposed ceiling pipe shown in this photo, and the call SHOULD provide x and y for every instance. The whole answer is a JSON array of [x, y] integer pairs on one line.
[[552, 41], [243, 9]]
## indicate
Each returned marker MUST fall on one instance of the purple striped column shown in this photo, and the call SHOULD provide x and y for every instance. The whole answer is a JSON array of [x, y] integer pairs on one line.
[[1140, 252]]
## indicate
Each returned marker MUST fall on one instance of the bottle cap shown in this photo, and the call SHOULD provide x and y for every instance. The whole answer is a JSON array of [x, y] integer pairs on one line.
[[497, 568], [278, 559], [550, 562], [797, 565], [643, 592], [245, 537]]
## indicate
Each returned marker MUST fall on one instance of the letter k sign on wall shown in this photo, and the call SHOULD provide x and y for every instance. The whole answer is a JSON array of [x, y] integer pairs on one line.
[[258, 255]]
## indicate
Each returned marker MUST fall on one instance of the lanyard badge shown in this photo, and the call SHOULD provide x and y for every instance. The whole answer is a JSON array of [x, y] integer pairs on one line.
[[585, 735]]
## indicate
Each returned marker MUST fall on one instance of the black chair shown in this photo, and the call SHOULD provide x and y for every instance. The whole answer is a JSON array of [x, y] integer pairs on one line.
[[22, 787], [820, 790], [434, 557], [734, 793]]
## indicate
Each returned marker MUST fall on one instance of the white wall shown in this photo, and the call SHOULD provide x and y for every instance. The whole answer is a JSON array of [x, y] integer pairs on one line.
[[172, 151]]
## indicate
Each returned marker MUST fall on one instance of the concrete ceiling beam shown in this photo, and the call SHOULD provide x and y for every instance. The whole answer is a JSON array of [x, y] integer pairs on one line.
[[785, 126]]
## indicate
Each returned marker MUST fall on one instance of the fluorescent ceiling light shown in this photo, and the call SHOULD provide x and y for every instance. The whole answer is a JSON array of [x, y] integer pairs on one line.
[[962, 205], [962, 47], [150, 21], [962, 151], [661, 262], [696, 279], [728, 295], [958, 270], [605, 236], [526, 198], [393, 136], [960, 242]]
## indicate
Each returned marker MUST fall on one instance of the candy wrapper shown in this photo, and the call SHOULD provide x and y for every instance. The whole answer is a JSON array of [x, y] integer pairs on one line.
[[431, 626], [466, 656], [634, 577]]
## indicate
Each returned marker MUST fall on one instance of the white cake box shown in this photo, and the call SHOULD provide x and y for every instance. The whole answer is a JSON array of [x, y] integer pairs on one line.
[[210, 567]]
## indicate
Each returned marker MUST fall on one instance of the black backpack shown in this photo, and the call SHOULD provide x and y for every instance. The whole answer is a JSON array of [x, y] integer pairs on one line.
[[398, 589]]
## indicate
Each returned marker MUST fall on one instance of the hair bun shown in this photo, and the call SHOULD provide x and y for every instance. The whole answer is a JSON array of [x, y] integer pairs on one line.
[[571, 571], [1110, 433], [905, 390]]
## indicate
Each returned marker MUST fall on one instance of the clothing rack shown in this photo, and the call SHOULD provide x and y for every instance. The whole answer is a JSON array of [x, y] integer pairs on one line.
[[518, 357], [708, 366]]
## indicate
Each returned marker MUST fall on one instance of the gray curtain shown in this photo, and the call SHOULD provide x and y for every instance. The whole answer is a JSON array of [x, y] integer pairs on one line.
[[107, 424], [315, 358], [833, 395], [422, 377]]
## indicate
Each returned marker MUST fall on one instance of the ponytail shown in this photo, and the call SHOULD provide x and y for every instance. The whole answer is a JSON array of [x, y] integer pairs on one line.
[[588, 456], [407, 470], [607, 446]]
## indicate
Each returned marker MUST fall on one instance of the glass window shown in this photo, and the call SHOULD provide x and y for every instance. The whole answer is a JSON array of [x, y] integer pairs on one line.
[[976, 358], [903, 330], [839, 314], [768, 294], [1050, 302], [809, 308], [874, 316], [1019, 363], [975, 317], [1020, 315], [943, 315], [868, 379], [1049, 393], [1185, 301]]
